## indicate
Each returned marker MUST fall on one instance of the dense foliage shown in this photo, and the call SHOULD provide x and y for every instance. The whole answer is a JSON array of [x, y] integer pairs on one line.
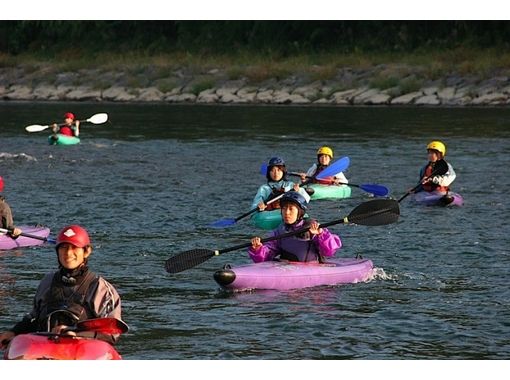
[[276, 37]]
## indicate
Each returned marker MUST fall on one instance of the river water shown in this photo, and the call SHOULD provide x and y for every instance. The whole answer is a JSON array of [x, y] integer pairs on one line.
[[148, 183]]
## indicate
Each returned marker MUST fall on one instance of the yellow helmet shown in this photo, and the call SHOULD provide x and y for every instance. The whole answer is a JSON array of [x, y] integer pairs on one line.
[[437, 145], [325, 150]]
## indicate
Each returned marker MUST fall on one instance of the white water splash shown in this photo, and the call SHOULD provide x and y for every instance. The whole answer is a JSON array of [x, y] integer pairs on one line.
[[380, 274], [19, 157]]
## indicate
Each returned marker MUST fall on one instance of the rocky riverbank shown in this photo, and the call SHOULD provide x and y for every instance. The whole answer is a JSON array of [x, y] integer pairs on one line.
[[380, 85]]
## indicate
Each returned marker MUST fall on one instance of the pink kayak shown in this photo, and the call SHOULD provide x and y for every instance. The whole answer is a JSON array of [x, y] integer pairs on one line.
[[58, 347], [437, 199], [284, 275], [23, 241]]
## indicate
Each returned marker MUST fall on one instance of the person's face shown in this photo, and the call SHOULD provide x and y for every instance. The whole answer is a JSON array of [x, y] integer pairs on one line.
[[324, 159], [71, 257], [276, 173], [68, 120], [290, 213], [433, 155]]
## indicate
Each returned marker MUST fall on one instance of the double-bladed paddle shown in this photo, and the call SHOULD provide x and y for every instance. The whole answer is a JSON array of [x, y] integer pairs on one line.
[[49, 240], [336, 167], [98, 118], [231, 221], [376, 212], [372, 188], [440, 168]]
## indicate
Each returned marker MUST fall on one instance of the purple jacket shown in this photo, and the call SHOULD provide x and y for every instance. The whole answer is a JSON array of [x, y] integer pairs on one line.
[[297, 248]]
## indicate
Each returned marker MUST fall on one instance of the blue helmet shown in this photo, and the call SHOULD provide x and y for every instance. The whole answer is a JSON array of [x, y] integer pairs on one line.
[[294, 197], [276, 161]]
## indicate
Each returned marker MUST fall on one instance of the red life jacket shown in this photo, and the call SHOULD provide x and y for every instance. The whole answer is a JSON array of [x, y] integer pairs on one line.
[[66, 130], [431, 186], [323, 181]]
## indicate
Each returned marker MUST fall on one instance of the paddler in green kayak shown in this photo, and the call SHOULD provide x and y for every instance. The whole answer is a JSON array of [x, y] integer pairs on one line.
[[71, 127], [71, 294]]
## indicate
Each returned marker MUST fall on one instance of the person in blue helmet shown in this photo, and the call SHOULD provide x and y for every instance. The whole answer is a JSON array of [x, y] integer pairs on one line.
[[311, 245], [277, 184]]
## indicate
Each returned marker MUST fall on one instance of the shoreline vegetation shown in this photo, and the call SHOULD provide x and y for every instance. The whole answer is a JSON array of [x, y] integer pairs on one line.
[[339, 63]]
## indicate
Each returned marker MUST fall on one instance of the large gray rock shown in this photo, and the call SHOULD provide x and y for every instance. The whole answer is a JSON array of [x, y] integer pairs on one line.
[[362, 97], [46, 92], [428, 100], [182, 98], [19, 92], [264, 96], [493, 98], [446, 93], [83, 94], [407, 98], [150, 94], [118, 94]]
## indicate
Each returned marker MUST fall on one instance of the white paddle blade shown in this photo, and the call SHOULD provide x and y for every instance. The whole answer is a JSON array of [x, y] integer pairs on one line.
[[36, 128], [98, 118]]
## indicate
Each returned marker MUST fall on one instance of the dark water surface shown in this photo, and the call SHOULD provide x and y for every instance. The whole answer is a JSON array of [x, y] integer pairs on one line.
[[147, 184]]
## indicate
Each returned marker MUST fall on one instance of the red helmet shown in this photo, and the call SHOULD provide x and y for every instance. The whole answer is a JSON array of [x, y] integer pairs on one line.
[[74, 235], [69, 115], [1, 184]]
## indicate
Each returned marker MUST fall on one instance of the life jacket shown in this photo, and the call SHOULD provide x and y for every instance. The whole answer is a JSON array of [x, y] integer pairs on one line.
[[323, 181], [66, 130], [65, 300], [276, 204], [431, 186], [298, 248]]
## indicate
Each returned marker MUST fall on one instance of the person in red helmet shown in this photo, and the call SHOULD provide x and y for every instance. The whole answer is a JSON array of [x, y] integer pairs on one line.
[[71, 294], [6, 221], [71, 127]]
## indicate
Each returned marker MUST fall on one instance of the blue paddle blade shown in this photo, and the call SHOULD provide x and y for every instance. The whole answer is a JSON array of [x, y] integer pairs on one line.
[[263, 169], [334, 168], [222, 223], [378, 190]]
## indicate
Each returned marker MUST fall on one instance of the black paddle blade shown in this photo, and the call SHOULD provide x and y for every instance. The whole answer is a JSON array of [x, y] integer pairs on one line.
[[187, 260], [377, 212]]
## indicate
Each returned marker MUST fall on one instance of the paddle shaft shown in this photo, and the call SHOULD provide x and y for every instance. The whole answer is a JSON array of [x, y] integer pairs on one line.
[[4, 231], [257, 209]]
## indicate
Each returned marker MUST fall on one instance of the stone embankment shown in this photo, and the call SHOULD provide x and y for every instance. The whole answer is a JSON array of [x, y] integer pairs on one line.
[[213, 88]]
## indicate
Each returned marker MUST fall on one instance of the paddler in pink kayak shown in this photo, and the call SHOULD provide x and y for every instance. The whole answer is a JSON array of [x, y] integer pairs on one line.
[[71, 294], [310, 245], [6, 221]]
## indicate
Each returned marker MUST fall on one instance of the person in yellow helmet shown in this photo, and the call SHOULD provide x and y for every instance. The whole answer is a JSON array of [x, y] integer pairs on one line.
[[437, 175], [324, 157]]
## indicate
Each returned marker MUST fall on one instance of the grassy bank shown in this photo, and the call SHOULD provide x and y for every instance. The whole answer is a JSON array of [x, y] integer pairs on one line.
[[390, 68]]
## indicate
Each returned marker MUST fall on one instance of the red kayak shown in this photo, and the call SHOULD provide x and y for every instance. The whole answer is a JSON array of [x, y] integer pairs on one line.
[[58, 347]]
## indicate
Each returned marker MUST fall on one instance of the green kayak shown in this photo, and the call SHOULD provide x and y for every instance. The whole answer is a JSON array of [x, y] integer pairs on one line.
[[59, 139], [329, 191]]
